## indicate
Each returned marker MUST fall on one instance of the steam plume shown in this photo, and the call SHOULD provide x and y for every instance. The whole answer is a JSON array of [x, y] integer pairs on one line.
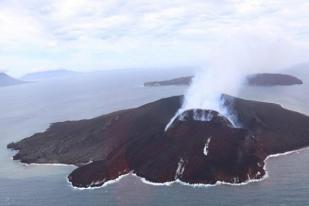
[[228, 64]]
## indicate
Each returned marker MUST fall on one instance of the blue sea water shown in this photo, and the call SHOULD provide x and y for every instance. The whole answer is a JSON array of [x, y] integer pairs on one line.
[[29, 108]]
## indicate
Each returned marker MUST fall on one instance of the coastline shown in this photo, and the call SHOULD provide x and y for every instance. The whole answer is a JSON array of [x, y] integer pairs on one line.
[[177, 181]]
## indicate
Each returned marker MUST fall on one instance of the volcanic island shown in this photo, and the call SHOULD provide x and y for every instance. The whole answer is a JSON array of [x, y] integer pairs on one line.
[[136, 141]]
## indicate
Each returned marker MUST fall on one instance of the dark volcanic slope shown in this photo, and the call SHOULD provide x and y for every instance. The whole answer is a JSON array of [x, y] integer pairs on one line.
[[263, 79], [192, 151], [6, 80], [82, 141]]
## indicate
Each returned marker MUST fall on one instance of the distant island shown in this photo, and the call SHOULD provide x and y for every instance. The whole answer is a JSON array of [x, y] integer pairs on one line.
[[194, 152], [177, 81], [261, 79], [6, 80], [269, 79], [52, 74]]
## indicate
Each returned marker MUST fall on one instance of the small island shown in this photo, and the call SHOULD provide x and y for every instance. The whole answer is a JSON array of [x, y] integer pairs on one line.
[[260, 79], [177, 81], [6, 80], [269, 79], [195, 152]]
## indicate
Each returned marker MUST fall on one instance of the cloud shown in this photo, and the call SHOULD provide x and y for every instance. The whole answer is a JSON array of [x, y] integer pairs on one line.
[[117, 33]]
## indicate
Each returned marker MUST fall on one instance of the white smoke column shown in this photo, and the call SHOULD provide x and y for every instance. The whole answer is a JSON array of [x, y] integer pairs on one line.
[[228, 65], [225, 72]]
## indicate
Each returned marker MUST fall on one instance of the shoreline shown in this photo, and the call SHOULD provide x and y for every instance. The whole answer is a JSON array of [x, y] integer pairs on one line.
[[198, 185]]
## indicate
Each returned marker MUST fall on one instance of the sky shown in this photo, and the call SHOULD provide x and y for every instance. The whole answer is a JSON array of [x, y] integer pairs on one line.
[[89, 35]]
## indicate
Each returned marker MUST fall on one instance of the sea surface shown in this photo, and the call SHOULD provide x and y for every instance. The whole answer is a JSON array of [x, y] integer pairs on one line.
[[30, 108]]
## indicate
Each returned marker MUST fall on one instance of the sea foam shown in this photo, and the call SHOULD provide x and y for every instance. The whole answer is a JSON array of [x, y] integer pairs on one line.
[[197, 185]]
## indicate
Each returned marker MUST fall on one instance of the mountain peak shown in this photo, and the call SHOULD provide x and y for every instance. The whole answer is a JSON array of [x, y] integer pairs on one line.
[[6, 80]]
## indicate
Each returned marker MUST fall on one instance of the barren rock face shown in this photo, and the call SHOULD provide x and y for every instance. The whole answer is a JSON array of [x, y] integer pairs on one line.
[[193, 149]]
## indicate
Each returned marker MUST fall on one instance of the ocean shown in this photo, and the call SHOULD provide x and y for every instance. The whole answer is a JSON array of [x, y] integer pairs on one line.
[[30, 108]]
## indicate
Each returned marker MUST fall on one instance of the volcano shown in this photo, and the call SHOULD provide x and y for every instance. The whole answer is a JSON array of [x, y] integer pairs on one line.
[[192, 151]]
